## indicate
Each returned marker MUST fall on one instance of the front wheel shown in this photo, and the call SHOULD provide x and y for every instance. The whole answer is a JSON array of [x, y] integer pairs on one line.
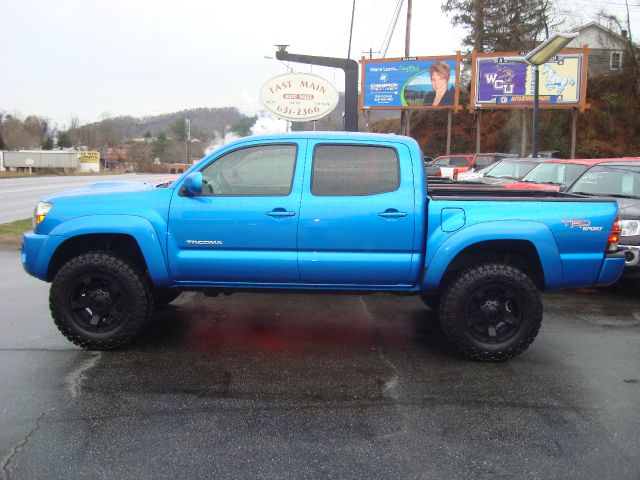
[[100, 301], [491, 312]]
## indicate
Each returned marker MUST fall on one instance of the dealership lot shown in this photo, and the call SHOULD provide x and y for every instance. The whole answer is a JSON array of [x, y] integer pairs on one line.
[[291, 386]]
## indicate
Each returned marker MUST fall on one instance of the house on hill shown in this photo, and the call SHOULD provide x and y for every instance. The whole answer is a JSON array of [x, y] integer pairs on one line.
[[607, 48]]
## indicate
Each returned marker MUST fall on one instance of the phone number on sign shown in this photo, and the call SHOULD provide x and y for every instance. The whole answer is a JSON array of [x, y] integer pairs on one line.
[[299, 112]]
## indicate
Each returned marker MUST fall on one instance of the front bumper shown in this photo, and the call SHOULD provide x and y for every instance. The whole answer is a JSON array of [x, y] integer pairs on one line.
[[631, 260], [37, 251]]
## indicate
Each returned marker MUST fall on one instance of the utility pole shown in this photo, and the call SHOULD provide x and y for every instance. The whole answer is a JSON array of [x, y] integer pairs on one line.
[[405, 115], [188, 128], [367, 113]]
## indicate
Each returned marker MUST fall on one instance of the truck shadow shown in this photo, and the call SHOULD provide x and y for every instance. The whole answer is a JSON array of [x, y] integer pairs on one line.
[[295, 325]]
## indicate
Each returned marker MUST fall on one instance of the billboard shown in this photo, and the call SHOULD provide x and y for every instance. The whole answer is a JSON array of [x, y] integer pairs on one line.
[[410, 83], [506, 80]]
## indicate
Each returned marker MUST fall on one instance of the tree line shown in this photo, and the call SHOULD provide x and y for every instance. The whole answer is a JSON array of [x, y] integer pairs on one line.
[[162, 136]]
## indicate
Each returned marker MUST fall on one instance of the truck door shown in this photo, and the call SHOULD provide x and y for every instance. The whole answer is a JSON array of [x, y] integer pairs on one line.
[[358, 214], [243, 226]]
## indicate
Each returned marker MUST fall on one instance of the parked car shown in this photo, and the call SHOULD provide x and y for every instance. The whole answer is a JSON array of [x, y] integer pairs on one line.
[[474, 175], [463, 162], [509, 170], [621, 182], [559, 174], [312, 212]]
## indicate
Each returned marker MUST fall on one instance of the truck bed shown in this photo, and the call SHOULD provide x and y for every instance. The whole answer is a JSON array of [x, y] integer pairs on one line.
[[478, 191]]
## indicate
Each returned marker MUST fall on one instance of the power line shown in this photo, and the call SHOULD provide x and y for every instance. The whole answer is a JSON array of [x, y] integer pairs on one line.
[[392, 26]]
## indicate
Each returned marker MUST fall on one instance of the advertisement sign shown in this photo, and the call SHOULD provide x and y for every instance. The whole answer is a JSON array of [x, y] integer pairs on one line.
[[410, 83], [506, 81], [299, 97], [89, 157]]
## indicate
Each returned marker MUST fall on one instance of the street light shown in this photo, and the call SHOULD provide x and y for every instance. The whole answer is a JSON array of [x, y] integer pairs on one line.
[[539, 56]]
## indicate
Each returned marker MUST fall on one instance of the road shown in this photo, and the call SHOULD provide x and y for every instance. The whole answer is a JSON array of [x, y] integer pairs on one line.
[[308, 386], [20, 195]]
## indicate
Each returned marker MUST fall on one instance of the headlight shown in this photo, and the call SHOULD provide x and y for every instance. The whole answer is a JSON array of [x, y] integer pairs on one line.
[[40, 212], [629, 228]]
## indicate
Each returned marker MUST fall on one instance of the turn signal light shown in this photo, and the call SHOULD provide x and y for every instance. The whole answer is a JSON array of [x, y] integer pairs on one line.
[[40, 212], [614, 236]]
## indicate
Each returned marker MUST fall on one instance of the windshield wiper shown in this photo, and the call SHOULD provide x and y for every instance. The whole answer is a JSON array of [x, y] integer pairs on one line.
[[620, 195], [163, 185]]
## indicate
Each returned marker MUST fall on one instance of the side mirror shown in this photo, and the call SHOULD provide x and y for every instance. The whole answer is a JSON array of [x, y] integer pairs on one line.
[[193, 184]]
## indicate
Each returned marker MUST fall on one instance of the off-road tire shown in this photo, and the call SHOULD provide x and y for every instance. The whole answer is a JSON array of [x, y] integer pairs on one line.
[[506, 301], [117, 296]]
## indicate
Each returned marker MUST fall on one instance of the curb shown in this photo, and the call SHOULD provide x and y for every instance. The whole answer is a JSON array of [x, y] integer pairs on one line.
[[10, 241]]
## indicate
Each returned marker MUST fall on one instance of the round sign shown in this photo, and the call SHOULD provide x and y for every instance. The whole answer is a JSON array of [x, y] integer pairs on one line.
[[299, 97]]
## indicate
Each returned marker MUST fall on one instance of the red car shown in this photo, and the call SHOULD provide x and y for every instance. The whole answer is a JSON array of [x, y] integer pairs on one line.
[[559, 174], [463, 162]]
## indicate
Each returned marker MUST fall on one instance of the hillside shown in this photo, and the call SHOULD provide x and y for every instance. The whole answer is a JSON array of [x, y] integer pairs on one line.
[[206, 123]]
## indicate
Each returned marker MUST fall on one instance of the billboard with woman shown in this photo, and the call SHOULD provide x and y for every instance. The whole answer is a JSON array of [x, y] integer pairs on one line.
[[410, 83]]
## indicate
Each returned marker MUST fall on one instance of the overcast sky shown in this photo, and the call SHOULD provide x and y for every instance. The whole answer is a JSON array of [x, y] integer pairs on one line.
[[90, 58]]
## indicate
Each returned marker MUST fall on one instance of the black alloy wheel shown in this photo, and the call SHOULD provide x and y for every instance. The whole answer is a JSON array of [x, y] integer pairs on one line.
[[494, 314], [97, 302], [100, 301], [491, 312]]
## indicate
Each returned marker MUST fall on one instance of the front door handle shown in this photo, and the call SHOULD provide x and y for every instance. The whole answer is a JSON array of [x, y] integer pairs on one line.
[[392, 213], [280, 212]]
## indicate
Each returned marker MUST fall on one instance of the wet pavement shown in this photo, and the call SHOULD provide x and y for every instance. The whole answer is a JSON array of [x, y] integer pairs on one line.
[[318, 386]]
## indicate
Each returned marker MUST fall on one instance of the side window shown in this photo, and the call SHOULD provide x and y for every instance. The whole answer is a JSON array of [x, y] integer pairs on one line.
[[265, 170], [349, 170]]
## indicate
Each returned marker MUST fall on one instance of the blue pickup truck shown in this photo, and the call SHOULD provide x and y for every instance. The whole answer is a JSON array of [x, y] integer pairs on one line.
[[322, 212]]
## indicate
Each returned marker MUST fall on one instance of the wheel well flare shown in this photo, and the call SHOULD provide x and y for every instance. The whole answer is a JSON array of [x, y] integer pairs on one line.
[[122, 245]]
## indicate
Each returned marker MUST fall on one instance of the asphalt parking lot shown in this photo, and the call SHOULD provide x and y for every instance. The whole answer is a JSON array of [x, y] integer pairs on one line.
[[318, 386]]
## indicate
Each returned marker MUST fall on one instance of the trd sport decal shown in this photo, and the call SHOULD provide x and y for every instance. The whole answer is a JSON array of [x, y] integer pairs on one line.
[[584, 225]]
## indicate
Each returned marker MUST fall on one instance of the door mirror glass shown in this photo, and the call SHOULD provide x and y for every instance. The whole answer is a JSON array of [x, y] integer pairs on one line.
[[193, 184]]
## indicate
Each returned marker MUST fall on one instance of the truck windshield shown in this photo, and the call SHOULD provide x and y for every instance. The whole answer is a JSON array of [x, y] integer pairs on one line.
[[511, 169], [609, 180], [556, 173], [451, 162]]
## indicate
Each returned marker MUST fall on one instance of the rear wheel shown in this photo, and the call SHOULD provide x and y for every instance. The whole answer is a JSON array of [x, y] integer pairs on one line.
[[491, 312], [100, 301]]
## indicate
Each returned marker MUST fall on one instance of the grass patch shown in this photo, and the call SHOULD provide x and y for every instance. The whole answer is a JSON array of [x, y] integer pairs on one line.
[[18, 226]]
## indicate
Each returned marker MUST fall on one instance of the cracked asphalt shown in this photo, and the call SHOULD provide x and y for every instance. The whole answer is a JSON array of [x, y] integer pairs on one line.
[[311, 386]]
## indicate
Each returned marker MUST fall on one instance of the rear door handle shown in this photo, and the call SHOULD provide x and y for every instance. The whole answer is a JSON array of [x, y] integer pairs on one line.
[[280, 212], [392, 213]]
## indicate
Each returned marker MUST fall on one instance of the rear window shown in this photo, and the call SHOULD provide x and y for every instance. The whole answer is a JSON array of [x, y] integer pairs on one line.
[[350, 170]]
